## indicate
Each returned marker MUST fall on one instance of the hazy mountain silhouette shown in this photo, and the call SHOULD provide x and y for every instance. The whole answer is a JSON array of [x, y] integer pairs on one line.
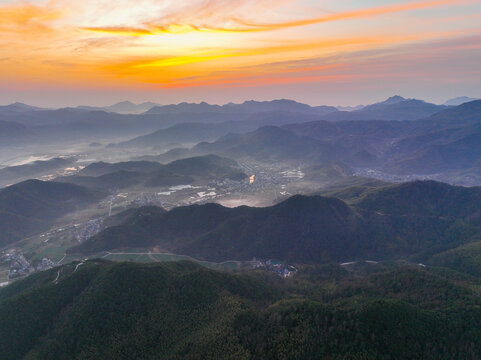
[[394, 108], [246, 107], [459, 101], [32, 206], [196, 170]]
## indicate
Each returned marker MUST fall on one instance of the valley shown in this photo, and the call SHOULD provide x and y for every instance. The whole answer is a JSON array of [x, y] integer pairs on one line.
[[271, 185], [327, 215], [240, 180]]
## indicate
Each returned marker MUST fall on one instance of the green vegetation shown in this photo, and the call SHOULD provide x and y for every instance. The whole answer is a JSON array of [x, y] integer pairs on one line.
[[352, 188], [413, 221], [465, 258], [328, 173], [215, 233], [138, 256], [181, 310]]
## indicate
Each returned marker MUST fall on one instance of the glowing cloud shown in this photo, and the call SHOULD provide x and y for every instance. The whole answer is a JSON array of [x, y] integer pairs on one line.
[[151, 28], [224, 44]]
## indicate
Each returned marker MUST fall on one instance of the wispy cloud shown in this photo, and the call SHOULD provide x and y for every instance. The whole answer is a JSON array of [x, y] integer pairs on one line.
[[26, 18], [224, 43], [179, 23], [411, 59], [356, 14]]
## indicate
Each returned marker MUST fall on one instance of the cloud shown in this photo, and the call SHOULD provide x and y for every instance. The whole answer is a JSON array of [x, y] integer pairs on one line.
[[420, 60], [27, 19], [60, 64], [356, 14], [202, 21], [298, 46], [221, 43]]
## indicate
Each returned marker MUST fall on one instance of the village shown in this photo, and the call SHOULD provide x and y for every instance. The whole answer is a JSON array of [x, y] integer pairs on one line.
[[20, 266], [275, 266]]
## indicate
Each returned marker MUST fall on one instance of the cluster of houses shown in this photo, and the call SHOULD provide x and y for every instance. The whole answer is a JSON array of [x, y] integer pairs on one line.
[[20, 266], [45, 264], [91, 228], [146, 199], [275, 266]]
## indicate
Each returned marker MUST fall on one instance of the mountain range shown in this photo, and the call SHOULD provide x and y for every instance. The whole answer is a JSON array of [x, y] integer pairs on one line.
[[444, 142], [123, 107], [35, 169], [250, 107], [394, 108], [196, 170], [73, 124], [358, 264]]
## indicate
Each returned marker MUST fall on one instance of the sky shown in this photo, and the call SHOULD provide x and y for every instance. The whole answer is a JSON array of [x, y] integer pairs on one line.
[[346, 52]]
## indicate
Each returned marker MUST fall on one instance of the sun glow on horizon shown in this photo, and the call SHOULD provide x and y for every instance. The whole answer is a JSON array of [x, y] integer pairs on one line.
[[219, 44]]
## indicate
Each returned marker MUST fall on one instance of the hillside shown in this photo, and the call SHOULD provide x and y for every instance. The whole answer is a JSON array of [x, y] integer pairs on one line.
[[426, 198], [463, 153], [395, 108], [103, 168], [459, 101], [446, 144], [33, 205], [179, 133], [214, 232], [12, 132], [414, 219], [467, 113], [37, 168], [357, 143], [465, 258], [352, 188], [195, 132], [197, 170], [103, 310], [447, 141], [327, 173], [269, 143]]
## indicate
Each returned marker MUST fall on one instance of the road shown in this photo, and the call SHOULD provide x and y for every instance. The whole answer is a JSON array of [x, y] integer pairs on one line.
[[64, 256], [150, 254], [77, 266], [58, 274]]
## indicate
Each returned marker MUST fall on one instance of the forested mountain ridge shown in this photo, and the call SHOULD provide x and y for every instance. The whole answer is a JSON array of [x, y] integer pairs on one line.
[[31, 206], [413, 219], [201, 169], [103, 310]]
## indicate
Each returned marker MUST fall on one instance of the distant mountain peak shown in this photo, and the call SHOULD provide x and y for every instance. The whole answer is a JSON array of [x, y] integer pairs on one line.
[[394, 99], [128, 107], [126, 102], [22, 106], [19, 104], [459, 101]]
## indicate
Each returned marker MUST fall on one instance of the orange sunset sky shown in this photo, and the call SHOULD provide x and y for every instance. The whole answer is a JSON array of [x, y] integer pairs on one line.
[[62, 52]]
